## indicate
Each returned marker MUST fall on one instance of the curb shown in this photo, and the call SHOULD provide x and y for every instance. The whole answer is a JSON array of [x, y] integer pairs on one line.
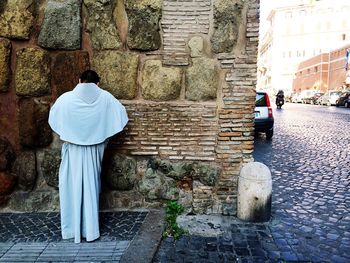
[[145, 244]]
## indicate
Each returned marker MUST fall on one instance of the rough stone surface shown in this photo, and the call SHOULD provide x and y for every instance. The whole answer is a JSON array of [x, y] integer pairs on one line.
[[175, 170], [101, 26], [227, 18], [7, 154], [25, 169], [203, 200], [50, 166], [202, 79], [144, 17], [68, 67], [16, 18], [118, 72], [32, 72], [120, 173], [154, 186], [5, 72], [196, 46], [186, 200], [117, 199], [160, 83], [207, 174], [34, 130], [7, 182], [61, 26], [34, 201]]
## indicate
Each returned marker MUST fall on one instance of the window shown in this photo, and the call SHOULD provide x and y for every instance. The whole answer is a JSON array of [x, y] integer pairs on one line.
[[304, 53], [343, 37], [344, 24], [288, 14], [316, 69], [319, 27], [290, 53]]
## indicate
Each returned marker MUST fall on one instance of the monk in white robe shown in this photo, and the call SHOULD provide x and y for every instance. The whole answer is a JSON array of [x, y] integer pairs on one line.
[[84, 118]]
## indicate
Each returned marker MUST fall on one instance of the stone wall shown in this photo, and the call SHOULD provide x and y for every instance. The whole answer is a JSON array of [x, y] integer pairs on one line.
[[184, 69]]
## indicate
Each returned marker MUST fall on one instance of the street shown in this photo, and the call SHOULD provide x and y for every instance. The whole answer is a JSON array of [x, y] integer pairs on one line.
[[310, 163], [309, 158]]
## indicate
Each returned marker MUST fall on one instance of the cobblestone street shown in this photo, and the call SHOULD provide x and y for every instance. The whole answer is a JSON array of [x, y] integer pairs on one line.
[[309, 157]]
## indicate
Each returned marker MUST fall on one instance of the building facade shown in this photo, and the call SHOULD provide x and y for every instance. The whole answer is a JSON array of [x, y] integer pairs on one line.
[[297, 32], [324, 72]]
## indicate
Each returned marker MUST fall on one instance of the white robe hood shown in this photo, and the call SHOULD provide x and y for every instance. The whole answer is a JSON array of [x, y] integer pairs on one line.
[[87, 115]]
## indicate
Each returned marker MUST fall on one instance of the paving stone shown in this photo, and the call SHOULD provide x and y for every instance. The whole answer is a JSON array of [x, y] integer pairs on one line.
[[26, 227]]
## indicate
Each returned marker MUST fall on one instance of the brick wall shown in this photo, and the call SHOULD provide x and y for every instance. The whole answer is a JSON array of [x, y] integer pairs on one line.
[[181, 19], [236, 119], [172, 130]]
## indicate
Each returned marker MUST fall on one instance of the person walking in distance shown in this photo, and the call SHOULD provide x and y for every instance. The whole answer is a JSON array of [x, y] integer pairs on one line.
[[84, 119]]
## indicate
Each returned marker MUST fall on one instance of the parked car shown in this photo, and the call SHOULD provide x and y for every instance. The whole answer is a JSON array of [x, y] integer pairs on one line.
[[329, 98], [294, 97], [306, 96], [344, 100], [301, 96], [315, 97], [263, 114]]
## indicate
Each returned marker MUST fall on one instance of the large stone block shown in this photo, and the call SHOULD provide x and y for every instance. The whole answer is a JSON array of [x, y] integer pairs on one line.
[[227, 19], [34, 130], [207, 174], [121, 199], [202, 79], [144, 17], [61, 27], [120, 173], [34, 201], [5, 72], [7, 154], [32, 75], [101, 26], [50, 166], [155, 185], [7, 183], [170, 169], [25, 169], [118, 72], [68, 68], [160, 83], [16, 18]]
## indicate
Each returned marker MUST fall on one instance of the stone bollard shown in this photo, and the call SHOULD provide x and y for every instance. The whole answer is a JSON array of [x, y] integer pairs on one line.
[[254, 193]]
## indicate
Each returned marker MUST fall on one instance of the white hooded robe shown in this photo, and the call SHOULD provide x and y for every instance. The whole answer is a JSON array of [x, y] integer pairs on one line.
[[84, 118]]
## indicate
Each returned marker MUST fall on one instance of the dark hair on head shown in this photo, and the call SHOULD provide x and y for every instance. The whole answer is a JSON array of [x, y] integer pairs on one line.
[[89, 76]]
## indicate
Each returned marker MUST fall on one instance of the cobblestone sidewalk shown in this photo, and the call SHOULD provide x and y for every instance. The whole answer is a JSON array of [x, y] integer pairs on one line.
[[35, 237]]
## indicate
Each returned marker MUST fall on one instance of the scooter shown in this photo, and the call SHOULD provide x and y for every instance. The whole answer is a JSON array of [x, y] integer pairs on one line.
[[279, 102]]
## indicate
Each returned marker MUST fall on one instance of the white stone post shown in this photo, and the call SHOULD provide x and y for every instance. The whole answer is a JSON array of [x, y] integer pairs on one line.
[[254, 193]]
